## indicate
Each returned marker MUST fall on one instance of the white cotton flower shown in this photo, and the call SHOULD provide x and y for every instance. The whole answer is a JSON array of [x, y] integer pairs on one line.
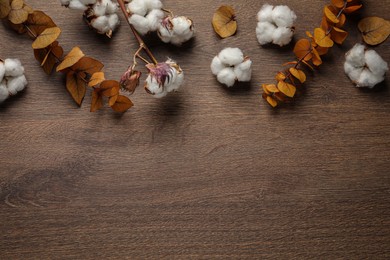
[[145, 15], [176, 30], [12, 79], [230, 66], [163, 78], [275, 25], [365, 67]]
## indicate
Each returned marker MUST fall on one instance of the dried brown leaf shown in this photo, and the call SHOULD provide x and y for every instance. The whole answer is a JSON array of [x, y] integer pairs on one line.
[[37, 22], [375, 30], [330, 15], [49, 56], [352, 8], [89, 66], [72, 58], [338, 35], [302, 49], [338, 3], [224, 22], [96, 102], [271, 101], [76, 87], [322, 39], [122, 104], [18, 16], [47, 37]]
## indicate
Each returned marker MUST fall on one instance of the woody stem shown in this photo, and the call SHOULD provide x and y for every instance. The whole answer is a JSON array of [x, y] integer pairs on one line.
[[135, 33]]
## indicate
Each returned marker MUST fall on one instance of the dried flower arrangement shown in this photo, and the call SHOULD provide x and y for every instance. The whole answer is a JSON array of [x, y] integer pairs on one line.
[[83, 72]]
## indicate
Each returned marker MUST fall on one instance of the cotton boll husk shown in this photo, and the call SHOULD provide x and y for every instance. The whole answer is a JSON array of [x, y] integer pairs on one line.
[[3, 91], [264, 32], [140, 23], [243, 71], [138, 7], [265, 13], [227, 77], [352, 72], [231, 56], [16, 84], [2, 71], [282, 36], [369, 79], [375, 62], [216, 65], [355, 56], [283, 16], [153, 4], [155, 17], [13, 68]]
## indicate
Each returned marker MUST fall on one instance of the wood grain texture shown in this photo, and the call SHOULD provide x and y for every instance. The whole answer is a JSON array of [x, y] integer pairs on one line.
[[205, 173]]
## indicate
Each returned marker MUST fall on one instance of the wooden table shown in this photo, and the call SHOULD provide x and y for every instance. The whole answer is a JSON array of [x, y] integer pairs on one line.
[[207, 172]]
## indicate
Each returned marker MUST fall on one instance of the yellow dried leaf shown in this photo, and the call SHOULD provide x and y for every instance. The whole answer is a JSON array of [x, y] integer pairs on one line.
[[122, 104], [375, 30], [322, 39], [96, 79], [287, 89], [298, 74], [112, 100], [88, 65], [224, 22], [47, 37], [5, 8], [302, 49], [338, 35], [342, 20], [308, 65], [338, 3], [17, 4], [76, 87], [330, 15], [271, 88], [28, 9], [18, 16], [317, 61], [72, 58], [271, 101], [96, 102]]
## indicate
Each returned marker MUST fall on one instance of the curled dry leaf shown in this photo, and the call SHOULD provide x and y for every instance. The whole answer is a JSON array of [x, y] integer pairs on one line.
[[47, 37], [122, 104], [298, 74], [330, 15], [72, 58], [37, 22], [48, 57], [76, 87], [87, 66], [96, 101], [375, 30], [224, 22], [287, 88], [322, 38], [338, 3], [302, 49]]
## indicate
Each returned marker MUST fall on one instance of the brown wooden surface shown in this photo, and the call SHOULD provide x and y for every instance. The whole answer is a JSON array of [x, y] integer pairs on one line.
[[207, 172]]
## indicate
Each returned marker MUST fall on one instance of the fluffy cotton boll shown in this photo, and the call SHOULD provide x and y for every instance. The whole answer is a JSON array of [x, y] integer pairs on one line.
[[154, 17], [183, 29], [352, 72], [138, 7], [216, 65], [140, 23], [111, 7], [4, 94], [283, 16], [113, 21], [2, 71], [153, 87], [265, 32], [355, 56], [227, 76], [375, 63], [153, 4], [265, 13], [77, 5], [99, 9], [282, 36], [231, 56], [101, 24], [243, 71], [368, 79], [13, 68], [16, 84]]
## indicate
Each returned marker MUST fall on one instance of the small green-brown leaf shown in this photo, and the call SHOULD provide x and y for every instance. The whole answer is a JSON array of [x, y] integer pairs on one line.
[[224, 22], [47, 37]]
